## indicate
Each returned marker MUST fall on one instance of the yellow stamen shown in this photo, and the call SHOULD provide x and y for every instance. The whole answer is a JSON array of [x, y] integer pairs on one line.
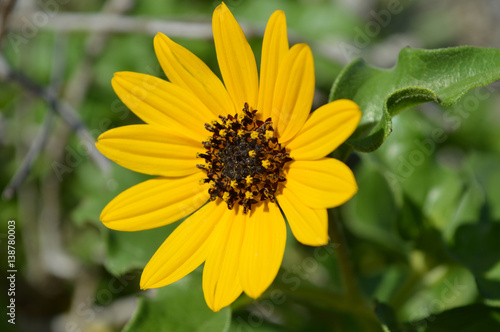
[[223, 133], [248, 195], [269, 134], [252, 153], [254, 135], [225, 197], [234, 184], [266, 163], [249, 179]]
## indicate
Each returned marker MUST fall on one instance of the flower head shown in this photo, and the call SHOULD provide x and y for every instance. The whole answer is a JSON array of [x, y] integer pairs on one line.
[[233, 157]]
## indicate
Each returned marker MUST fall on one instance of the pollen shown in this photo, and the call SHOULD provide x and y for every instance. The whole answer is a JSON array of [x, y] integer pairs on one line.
[[243, 160]]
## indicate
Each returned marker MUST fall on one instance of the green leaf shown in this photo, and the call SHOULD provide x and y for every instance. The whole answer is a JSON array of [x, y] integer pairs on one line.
[[475, 230], [132, 250], [179, 307], [442, 288], [471, 318], [372, 212], [420, 76]]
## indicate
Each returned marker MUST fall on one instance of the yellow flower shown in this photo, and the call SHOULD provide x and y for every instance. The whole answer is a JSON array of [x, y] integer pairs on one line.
[[264, 157]]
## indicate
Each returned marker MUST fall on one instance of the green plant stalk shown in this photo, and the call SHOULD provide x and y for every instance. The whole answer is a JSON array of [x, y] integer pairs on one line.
[[342, 252], [355, 297]]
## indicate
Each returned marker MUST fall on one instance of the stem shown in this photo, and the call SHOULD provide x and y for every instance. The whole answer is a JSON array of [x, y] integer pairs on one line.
[[348, 276], [356, 298]]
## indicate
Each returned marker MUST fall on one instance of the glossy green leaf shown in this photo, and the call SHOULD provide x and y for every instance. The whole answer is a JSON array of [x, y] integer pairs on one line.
[[179, 307], [420, 76]]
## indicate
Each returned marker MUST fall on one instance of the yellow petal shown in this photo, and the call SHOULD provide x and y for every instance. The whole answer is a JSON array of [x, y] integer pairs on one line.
[[263, 248], [185, 69], [155, 203], [274, 49], [323, 183], [309, 226], [159, 102], [236, 59], [221, 285], [294, 92], [184, 250], [327, 128], [151, 149]]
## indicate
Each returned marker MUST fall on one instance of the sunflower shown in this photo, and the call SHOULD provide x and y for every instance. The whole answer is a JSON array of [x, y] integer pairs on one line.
[[234, 159]]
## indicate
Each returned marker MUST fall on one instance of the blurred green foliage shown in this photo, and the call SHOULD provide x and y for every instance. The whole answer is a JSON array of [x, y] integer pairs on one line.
[[423, 229]]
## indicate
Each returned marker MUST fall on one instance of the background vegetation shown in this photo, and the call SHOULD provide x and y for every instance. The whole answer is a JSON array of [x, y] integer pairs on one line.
[[422, 232]]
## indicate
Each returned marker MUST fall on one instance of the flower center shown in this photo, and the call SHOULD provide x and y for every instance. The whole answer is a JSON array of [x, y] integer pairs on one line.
[[243, 161]]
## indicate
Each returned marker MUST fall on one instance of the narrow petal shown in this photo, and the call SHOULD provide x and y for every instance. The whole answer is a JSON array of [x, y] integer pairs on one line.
[[159, 102], [274, 49], [221, 285], [151, 149], [184, 250], [263, 248], [155, 203], [185, 69], [323, 183], [327, 128], [236, 59], [294, 92], [309, 226]]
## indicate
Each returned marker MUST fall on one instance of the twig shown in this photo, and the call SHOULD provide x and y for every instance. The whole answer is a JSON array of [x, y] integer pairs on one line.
[[33, 152], [116, 23], [6, 11], [60, 107], [192, 29]]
